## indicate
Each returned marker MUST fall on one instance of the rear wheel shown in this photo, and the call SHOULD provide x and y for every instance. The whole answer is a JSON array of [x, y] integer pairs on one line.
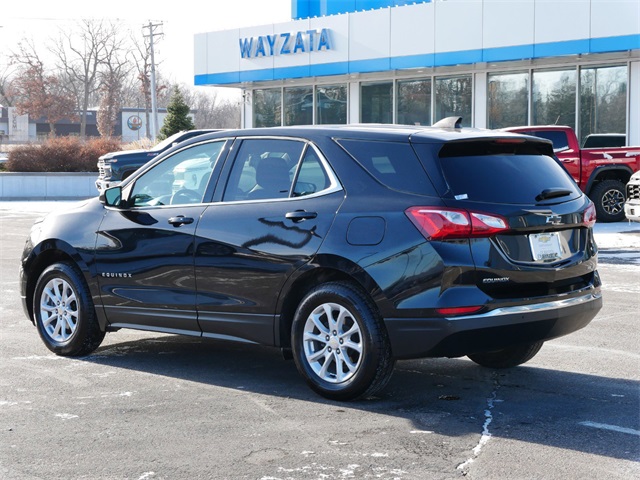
[[340, 345], [507, 357], [64, 312], [608, 197]]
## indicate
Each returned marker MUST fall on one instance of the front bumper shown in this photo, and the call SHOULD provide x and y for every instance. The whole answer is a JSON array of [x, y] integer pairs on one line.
[[102, 185], [632, 210], [494, 330]]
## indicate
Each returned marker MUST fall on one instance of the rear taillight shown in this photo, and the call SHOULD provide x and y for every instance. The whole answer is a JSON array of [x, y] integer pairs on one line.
[[437, 223], [459, 310], [589, 216]]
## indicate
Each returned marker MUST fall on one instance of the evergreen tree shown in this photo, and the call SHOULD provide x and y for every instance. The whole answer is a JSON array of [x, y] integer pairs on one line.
[[177, 118]]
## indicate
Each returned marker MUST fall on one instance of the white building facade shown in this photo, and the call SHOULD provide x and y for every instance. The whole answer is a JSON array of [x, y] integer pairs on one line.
[[496, 63]]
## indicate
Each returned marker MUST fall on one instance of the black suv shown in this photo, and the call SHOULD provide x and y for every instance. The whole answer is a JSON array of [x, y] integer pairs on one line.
[[348, 247], [114, 167]]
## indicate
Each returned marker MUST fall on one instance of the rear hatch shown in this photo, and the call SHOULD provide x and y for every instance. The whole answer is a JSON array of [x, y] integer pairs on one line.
[[533, 237]]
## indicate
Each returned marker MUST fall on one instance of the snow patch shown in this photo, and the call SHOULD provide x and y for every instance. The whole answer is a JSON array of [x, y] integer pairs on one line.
[[66, 416]]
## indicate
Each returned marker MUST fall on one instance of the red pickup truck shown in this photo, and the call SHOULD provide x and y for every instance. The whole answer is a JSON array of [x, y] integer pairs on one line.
[[601, 173]]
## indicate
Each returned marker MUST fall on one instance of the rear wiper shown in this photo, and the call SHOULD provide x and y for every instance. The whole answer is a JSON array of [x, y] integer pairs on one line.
[[548, 193]]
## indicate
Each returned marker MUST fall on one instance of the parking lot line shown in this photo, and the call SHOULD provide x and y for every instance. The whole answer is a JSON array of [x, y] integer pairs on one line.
[[614, 428]]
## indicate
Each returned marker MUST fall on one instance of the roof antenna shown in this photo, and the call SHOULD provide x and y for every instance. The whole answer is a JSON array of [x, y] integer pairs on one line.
[[449, 122]]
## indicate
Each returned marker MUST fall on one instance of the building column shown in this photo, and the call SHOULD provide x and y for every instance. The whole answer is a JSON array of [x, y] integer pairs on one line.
[[246, 109], [479, 100], [354, 103], [634, 104]]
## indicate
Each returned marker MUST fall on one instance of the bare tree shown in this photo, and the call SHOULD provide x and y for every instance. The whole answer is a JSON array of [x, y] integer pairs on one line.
[[80, 53], [115, 69], [38, 93], [209, 110], [142, 59], [7, 90]]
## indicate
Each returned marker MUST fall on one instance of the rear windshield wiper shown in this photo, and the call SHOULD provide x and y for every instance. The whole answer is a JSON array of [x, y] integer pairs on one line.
[[548, 193]]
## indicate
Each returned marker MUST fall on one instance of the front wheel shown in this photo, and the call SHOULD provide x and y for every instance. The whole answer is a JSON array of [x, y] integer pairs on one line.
[[507, 357], [609, 197], [64, 312], [339, 342]]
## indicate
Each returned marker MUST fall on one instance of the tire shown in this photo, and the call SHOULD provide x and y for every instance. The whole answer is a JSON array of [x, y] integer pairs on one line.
[[508, 357], [64, 312], [340, 345], [609, 197]]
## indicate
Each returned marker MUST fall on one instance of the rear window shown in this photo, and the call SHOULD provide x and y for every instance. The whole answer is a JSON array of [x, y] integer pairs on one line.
[[393, 164], [495, 173]]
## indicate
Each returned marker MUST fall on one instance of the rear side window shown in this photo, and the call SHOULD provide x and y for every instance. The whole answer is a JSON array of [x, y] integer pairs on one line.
[[558, 138], [494, 173], [393, 164]]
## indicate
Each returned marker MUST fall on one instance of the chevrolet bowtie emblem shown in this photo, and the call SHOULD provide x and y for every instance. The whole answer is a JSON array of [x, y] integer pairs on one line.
[[554, 219]]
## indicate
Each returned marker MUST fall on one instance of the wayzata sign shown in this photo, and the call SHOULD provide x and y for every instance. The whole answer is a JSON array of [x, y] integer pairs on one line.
[[285, 43]]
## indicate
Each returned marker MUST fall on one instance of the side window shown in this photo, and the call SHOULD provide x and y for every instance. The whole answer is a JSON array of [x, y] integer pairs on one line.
[[312, 176], [394, 164], [558, 138], [263, 169], [179, 179]]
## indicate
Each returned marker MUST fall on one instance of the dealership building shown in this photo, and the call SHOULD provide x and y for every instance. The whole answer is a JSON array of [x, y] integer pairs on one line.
[[495, 63]]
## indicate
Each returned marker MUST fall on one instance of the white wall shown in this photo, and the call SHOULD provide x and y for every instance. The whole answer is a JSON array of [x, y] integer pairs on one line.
[[47, 186]]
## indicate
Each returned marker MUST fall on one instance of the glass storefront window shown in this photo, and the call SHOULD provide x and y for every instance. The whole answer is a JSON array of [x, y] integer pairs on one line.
[[603, 100], [376, 102], [267, 107], [331, 104], [554, 98], [298, 106], [414, 102], [507, 99], [454, 98]]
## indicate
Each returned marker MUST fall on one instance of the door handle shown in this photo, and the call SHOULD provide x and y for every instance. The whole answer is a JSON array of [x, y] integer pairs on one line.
[[300, 215], [180, 220]]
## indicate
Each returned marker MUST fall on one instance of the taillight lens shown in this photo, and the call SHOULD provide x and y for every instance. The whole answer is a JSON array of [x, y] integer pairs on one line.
[[589, 216], [459, 310], [437, 223]]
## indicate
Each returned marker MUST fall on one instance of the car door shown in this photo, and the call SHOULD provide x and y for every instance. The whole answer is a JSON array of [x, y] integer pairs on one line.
[[275, 210], [145, 250]]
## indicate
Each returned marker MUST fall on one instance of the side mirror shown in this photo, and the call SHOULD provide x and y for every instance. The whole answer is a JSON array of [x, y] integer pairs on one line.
[[560, 150], [112, 197]]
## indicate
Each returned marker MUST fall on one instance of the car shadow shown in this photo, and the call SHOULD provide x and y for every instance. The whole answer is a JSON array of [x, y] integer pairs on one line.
[[450, 397]]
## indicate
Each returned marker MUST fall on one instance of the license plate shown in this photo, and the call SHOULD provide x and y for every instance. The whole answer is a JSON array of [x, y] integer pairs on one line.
[[545, 247]]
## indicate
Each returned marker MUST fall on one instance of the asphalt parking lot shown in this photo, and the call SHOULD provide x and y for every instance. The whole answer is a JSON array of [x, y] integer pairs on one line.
[[155, 406]]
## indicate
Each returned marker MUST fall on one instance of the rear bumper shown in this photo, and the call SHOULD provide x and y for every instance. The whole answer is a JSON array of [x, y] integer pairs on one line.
[[499, 328]]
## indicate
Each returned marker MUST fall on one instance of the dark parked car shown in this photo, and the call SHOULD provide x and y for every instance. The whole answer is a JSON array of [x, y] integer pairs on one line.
[[348, 247], [114, 167]]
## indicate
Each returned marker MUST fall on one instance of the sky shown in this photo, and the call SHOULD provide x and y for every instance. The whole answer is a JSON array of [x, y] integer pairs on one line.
[[41, 20]]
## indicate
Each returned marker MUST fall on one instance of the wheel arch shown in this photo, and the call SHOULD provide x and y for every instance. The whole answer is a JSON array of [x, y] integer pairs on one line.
[[42, 256], [621, 173], [324, 269]]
